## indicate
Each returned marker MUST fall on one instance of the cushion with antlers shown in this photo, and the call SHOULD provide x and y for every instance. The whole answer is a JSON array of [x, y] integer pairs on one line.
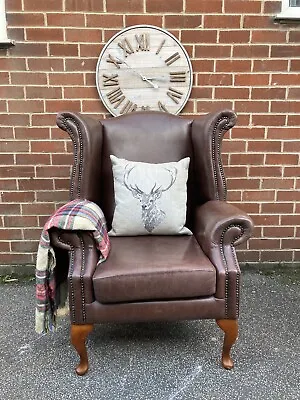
[[150, 199]]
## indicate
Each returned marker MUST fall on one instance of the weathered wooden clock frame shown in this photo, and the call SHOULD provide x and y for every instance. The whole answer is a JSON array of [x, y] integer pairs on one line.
[[144, 67]]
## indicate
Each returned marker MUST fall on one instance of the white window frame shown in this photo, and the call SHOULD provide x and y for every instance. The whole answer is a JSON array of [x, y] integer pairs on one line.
[[4, 40], [288, 12]]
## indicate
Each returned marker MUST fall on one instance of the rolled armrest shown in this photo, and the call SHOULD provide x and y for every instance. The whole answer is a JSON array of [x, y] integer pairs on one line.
[[219, 227], [217, 222]]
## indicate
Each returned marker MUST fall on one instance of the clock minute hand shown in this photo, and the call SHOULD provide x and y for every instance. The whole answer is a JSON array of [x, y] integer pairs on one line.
[[142, 76], [157, 78]]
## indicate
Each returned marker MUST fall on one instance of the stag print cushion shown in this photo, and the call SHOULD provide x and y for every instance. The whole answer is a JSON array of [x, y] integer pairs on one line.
[[150, 199]]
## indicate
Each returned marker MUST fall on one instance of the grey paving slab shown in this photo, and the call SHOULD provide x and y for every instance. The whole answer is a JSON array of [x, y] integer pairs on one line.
[[157, 361]]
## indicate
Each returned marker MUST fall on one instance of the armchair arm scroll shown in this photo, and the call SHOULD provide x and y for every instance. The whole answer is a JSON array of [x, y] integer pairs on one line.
[[219, 222], [219, 227], [83, 258]]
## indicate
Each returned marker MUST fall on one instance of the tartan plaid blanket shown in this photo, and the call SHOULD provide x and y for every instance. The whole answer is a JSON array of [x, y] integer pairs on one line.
[[75, 215]]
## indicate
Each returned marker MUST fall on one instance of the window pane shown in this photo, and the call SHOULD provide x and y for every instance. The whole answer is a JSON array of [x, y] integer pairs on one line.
[[294, 3]]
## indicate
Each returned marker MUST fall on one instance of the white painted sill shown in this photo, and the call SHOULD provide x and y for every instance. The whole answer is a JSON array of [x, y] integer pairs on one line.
[[4, 40], [5, 43], [288, 13]]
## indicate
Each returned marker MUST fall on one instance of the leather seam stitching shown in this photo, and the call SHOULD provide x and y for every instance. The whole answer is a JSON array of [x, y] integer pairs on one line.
[[238, 274], [82, 270], [216, 156], [225, 262], [75, 163]]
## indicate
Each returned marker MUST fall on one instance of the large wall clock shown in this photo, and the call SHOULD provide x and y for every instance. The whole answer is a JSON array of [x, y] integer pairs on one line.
[[144, 67]]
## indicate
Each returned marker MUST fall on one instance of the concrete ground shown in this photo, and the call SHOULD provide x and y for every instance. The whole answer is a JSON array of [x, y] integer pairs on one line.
[[158, 361]]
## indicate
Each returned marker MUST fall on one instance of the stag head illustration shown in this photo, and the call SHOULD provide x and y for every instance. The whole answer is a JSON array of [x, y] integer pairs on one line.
[[152, 215]]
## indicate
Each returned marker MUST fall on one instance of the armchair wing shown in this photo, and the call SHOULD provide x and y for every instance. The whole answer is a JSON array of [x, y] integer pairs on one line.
[[207, 135], [86, 135]]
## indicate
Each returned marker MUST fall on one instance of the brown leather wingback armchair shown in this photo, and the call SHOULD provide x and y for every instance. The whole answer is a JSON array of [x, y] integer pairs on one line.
[[154, 278]]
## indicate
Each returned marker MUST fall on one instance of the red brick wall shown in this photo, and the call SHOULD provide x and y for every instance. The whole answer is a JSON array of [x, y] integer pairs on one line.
[[241, 59]]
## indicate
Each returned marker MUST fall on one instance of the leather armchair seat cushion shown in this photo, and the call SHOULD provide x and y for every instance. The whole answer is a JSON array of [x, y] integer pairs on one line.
[[154, 267]]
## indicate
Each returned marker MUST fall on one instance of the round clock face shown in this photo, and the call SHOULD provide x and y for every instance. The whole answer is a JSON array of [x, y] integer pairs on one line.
[[144, 68]]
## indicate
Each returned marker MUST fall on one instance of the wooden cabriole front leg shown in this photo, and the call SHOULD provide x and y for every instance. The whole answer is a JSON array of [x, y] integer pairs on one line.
[[79, 334], [230, 328]]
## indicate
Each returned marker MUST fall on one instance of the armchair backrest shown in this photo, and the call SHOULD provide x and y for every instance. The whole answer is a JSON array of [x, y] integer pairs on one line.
[[145, 137], [151, 137]]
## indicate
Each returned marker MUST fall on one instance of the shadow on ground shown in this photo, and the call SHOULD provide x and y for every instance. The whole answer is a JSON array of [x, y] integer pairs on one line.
[[158, 361]]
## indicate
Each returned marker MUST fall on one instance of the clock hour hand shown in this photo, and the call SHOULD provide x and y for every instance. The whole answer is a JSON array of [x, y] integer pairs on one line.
[[144, 78], [149, 81]]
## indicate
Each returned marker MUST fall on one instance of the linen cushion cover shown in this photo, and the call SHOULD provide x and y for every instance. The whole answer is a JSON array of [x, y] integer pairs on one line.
[[150, 199]]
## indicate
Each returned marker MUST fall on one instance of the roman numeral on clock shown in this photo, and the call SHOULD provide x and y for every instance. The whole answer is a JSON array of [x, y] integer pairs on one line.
[[143, 42], [174, 94], [162, 107], [170, 60], [128, 107], [126, 46], [114, 61], [111, 80], [116, 97], [177, 76], [161, 46]]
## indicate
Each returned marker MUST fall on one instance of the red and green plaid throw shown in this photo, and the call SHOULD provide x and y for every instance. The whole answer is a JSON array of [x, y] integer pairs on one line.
[[75, 215]]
